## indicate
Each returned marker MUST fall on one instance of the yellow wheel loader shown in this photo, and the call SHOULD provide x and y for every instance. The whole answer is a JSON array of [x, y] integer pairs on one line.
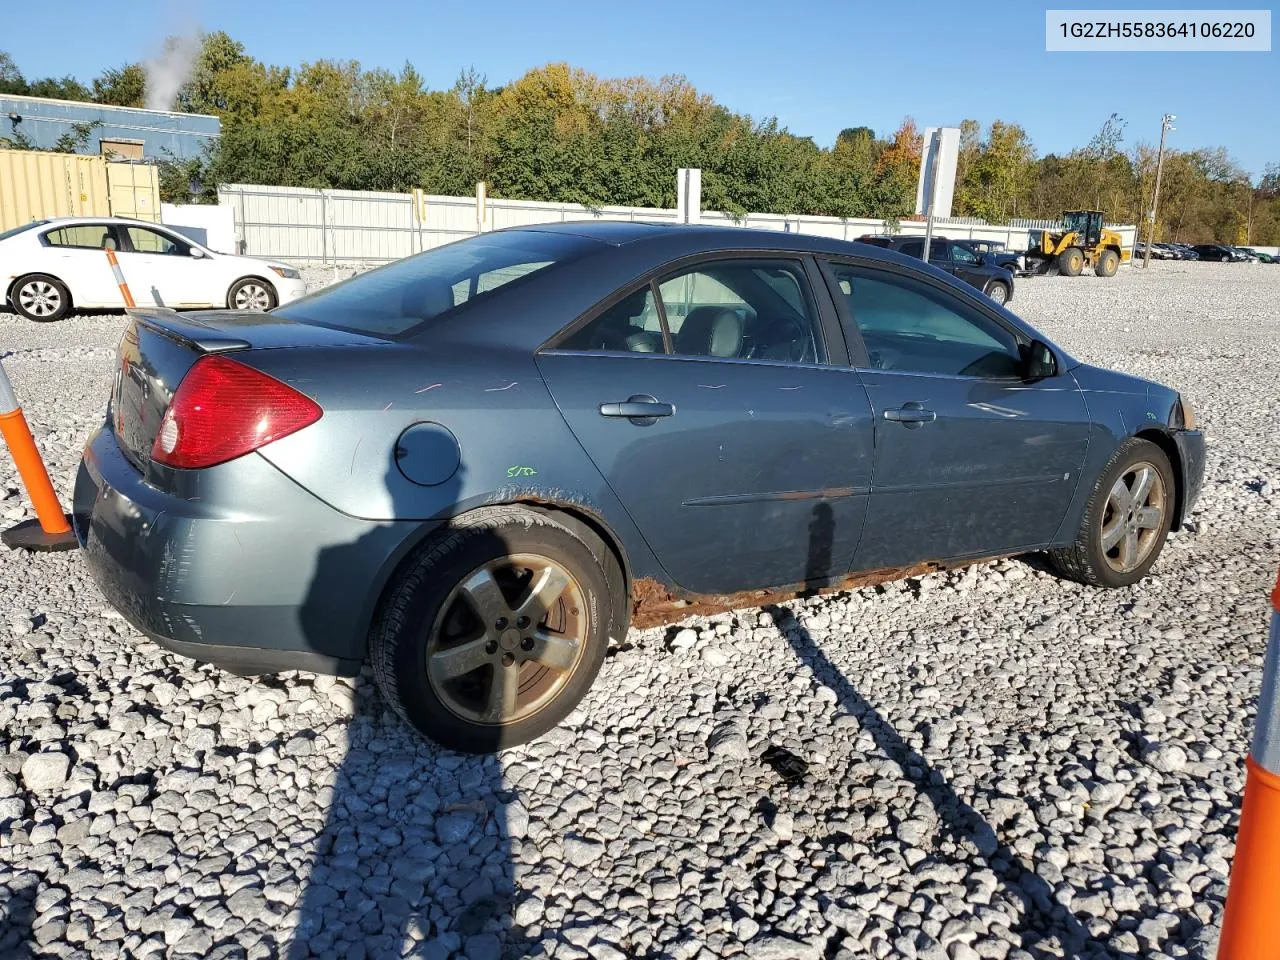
[[1083, 242]]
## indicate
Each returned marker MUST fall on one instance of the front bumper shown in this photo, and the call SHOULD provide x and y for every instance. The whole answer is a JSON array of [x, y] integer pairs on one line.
[[288, 290], [269, 579], [1190, 445]]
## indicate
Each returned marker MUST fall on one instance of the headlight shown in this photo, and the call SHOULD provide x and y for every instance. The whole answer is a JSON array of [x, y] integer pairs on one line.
[[288, 273], [1187, 415]]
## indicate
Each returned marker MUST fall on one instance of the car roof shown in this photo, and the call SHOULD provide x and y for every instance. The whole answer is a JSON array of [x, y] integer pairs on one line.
[[695, 238], [898, 237], [73, 221], [615, 232]]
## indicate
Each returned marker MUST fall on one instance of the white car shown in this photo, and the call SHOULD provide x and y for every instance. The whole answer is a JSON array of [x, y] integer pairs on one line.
[[51, 266]]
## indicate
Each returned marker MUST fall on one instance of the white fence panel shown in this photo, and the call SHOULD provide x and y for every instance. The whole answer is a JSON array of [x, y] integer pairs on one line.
[[368, 226], [447, 219], [304, 225], [214, 226], [282, 222]]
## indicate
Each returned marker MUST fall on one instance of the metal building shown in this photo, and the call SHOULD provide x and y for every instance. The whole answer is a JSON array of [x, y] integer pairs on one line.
[[125, 133]]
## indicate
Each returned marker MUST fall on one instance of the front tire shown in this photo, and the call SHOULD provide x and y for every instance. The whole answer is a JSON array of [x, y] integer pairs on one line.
[[40, 297], [496, 627], [1126, 520], [998, 292], [251, 294], [1071, 262]]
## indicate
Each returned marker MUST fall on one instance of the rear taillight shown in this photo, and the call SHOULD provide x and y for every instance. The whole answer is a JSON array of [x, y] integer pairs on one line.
[[223, 410]]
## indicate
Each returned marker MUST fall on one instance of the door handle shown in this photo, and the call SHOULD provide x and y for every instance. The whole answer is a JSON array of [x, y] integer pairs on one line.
[[640, 407], [911, 415]]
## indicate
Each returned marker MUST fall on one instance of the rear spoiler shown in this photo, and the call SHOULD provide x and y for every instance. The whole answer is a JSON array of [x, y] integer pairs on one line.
[[186, 330]]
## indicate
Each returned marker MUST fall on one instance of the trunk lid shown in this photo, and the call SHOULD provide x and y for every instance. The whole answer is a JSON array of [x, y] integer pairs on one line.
[[160, 346]]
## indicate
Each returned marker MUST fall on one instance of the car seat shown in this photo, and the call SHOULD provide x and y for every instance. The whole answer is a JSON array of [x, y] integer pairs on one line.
[[710, 332]]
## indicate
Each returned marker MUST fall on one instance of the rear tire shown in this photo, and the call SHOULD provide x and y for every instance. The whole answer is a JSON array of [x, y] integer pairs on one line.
[[478, 683], [40, 297], [1108, 264], [252, 294], [1071, 262], [1120, 539]]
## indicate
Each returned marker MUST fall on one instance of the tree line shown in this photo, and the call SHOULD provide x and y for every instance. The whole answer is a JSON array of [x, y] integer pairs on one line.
[[562, 134]]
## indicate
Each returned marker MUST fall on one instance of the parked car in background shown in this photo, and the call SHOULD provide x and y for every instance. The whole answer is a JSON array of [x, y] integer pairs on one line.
[[1257, 255], [1159, 251], [49, 267], [475, 466], [1218, 252], [1184, 251], [993, 253], [956, 259]]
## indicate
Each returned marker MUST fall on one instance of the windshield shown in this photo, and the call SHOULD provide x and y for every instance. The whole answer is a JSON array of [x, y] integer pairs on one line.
[[13, 232], [394, 300], [1076, 221]]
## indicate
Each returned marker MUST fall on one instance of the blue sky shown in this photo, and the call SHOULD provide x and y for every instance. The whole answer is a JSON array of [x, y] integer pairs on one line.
[[818, 65]]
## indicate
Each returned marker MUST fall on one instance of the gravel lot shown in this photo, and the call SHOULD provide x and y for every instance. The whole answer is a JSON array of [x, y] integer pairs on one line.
[[1000, 764]]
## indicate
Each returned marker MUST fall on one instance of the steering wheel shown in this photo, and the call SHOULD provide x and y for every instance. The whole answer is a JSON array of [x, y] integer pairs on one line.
[[788, 333], [885, 358]]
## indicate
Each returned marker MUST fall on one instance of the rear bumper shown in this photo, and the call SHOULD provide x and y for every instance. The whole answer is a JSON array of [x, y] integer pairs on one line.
[[1191, 454], [279, 581]]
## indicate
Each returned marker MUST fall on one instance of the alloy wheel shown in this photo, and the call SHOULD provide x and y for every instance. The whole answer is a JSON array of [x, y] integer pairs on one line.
[[40, 298], [507, 640], [252, 296], [1133, 521]]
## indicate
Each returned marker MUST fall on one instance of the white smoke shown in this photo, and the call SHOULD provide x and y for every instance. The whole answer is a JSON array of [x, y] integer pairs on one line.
[[170, 70]]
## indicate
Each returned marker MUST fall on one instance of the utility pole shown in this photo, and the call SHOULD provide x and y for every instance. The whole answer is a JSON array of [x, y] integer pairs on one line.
[[1165, 127]]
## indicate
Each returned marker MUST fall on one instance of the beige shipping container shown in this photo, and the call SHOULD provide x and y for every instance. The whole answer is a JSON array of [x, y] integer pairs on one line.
[[133, 190], [35, 185]]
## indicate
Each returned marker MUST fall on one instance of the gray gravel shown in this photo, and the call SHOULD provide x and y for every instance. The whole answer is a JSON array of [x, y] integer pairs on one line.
[[1000, 764]]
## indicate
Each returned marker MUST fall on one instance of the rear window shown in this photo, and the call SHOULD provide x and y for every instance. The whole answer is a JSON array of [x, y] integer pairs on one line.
[[14, 231], [396, 299]]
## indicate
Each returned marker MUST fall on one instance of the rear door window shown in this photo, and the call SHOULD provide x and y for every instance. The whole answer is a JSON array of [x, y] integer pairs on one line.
[[744, 309], [84, 236], [632, 325]]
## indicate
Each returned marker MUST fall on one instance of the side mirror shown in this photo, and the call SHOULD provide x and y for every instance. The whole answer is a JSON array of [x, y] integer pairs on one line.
[[1038, 361], [197, 253]]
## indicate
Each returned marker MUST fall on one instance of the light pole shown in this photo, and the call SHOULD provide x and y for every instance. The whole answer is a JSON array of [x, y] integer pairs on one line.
[[1165, 127]]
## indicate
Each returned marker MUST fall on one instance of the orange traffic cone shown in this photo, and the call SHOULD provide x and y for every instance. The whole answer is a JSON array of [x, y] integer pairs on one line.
[[1251, 927], [50, 531], [119, 274]]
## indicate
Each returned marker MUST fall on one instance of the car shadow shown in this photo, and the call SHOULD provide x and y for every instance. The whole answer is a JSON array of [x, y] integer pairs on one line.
[[1046, 927], [414, 858], [17, 921]]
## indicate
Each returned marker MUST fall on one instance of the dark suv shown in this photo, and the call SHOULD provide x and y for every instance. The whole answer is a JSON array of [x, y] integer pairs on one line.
[[996, 282]]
